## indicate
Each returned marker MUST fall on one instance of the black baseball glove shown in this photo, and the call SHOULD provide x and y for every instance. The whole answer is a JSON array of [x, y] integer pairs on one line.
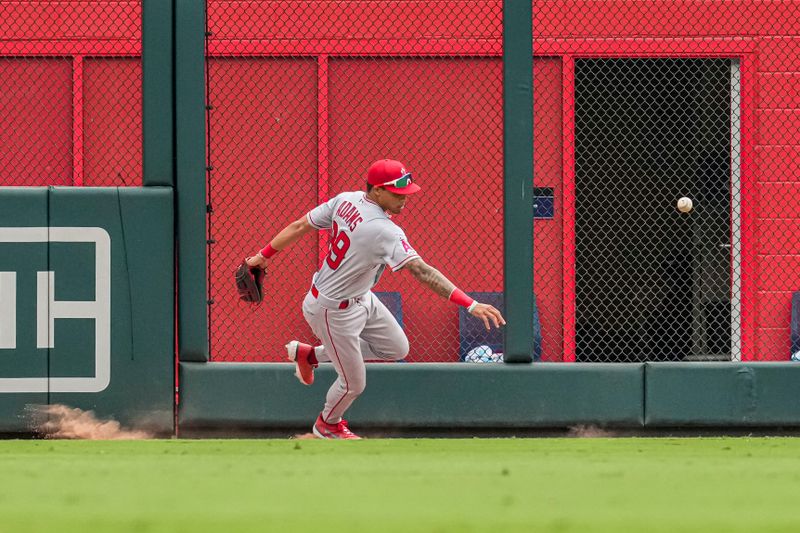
[[249, 283]]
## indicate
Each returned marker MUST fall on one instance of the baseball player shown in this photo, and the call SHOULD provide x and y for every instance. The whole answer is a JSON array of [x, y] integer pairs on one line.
[[353, 325]]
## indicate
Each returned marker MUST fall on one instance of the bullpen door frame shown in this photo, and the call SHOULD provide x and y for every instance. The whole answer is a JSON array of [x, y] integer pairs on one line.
[[743, 227]]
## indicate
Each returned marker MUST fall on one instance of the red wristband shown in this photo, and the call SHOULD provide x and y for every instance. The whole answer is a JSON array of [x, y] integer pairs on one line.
[[268, 251], [459, 298]]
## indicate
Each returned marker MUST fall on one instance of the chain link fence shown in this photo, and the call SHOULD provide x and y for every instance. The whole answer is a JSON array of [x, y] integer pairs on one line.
[[657, 102], [303, 97], [652, 281], [71, 104], [637, 106]]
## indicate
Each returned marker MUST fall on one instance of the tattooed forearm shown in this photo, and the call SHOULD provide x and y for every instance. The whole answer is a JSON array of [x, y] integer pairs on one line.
[[431, 277]]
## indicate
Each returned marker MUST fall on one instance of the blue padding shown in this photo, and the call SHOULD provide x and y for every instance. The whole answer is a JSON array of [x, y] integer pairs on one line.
[[544, 207], [394, 303], [472, 333], [544, 203], [795, 324]]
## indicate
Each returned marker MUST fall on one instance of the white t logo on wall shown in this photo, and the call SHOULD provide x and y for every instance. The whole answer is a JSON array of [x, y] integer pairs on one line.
[[48, 309]]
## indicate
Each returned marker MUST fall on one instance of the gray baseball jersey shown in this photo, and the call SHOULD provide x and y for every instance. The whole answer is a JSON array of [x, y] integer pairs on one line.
[[363, 242]]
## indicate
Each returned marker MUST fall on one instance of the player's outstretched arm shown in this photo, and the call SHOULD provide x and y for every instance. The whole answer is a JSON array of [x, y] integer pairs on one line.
[[438, 283], [287, 237]]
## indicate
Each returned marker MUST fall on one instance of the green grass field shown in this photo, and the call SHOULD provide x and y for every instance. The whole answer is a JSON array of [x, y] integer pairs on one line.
[[630, 484]]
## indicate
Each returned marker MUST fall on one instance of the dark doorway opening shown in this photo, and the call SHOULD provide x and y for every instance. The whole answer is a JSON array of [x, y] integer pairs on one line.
[[653, 283]]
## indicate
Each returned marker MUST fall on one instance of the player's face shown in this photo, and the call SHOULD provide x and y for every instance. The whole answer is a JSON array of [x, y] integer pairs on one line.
[[392, 202]]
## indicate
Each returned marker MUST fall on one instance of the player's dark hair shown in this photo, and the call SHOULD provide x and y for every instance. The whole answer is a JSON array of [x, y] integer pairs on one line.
[[369, 187]]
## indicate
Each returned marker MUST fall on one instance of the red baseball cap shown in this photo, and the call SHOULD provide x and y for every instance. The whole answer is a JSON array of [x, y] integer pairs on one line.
[[392, 176]]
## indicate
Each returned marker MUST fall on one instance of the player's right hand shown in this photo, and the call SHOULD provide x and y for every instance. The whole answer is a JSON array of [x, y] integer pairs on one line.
[[489, 315], [257, 261]]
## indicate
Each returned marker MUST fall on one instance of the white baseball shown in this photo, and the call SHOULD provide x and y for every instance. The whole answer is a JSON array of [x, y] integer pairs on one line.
[[685, 204]]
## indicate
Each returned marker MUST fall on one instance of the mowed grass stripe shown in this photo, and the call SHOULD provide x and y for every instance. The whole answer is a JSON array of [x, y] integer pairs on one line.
[[703, 484]]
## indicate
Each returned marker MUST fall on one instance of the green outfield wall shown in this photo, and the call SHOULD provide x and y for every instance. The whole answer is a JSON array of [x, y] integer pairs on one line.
[[722, 394], [87, 299], [467, 396], [423, 395], [19, 263], [88, 292]]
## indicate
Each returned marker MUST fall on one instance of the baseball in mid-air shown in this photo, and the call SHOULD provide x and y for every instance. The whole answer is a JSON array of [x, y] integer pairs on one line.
[[685, 204]]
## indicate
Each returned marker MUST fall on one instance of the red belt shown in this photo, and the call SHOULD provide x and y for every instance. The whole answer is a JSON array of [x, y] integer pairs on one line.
[[344, 304]]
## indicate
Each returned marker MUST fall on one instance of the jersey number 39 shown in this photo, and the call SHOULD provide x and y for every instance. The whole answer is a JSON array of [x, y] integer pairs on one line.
[[339, 245]]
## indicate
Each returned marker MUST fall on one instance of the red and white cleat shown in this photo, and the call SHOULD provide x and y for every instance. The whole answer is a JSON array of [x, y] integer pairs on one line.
[[323, 430], [302, 355]]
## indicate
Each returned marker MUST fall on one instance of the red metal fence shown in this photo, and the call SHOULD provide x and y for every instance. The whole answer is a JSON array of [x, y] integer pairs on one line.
[[354, 71], [305, 94], [632, 263], [72, 93]]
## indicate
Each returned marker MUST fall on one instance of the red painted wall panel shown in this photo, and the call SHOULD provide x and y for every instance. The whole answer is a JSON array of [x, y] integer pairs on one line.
[[265, 160], [779, 54], [779, 272], [443, 119], [777, 163], [37, 143], [73, 20], [779, 90], [112, 123], [662, 18], [779, 200], [36, 121], [779, 127], [778, 172], [92, 116], [773, 344], [548, 234], [780, 236], [774, 309], [697, 19], [355, 19]]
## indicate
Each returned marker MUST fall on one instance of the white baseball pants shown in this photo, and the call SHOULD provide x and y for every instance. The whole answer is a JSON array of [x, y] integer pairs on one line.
[[365, 331]]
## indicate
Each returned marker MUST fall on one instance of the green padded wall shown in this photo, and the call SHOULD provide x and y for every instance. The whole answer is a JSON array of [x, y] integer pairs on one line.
[[158, 100], [139, 224], [91, 274], [418, 395], [518, 181], [190, 178], [722, 394], [21, 208]]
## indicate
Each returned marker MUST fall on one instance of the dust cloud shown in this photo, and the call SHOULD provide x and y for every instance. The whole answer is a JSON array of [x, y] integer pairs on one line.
[[64, 422], [589, 432]]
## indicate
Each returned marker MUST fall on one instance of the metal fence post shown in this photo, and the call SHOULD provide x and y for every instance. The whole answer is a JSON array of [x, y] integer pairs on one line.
[[190, 131], [518, 179], [158, 98]]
